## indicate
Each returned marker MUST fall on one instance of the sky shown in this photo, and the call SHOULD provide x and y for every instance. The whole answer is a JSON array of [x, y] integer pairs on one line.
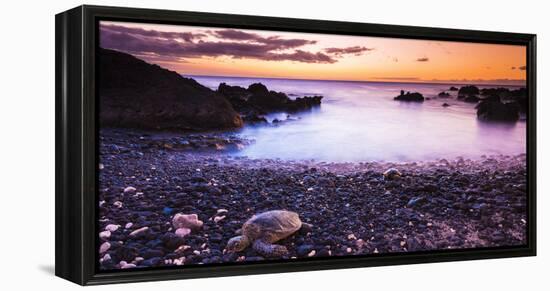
[[193, 50]]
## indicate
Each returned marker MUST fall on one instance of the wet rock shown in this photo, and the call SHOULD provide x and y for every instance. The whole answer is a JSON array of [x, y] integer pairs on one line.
[[489, 110], [409, 97], [468, 90]]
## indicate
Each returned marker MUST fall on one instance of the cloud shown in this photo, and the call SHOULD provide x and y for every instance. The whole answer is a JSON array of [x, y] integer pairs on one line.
[[187, 36], [276, 42], [423, 59], [230, 43], [355, 50], [523, 68], [513, 68]]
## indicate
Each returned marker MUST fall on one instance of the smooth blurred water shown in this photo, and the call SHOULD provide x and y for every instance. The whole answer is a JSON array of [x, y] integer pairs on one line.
[[360, 121]]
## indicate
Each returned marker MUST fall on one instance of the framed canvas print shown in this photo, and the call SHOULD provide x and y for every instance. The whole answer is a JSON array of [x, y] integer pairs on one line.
[[197, 144]]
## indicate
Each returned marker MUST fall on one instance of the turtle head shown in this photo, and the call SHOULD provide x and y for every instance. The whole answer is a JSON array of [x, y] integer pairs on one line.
[[237, 244]]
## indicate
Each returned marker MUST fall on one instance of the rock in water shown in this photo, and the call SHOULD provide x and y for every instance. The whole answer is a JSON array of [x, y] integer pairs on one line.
[[489, 110], [409, 97], [467, 91], [134, 93], [257, 100], [190, 221]]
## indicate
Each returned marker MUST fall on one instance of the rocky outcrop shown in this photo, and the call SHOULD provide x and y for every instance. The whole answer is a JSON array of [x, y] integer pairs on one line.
[[453, 88], [467, 91], [137, 94], [492, 109], [516, 96], [471, 99], [444, 95], [257, 100], [409, 97]]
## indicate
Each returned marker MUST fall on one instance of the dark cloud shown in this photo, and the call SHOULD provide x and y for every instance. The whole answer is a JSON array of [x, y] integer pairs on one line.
[[187, 36], [513, 68], [266, 50], [523, 68], [276, 42], [423, 60], [355, 50]]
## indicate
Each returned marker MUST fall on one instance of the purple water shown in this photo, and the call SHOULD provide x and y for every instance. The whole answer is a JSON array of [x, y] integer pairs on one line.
[[360, 121]]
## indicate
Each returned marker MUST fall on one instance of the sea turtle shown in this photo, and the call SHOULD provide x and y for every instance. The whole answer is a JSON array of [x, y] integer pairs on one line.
[[263, 230], [392, 174]]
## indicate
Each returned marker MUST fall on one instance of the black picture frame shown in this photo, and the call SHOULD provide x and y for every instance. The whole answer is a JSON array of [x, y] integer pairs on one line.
[[77, 155]]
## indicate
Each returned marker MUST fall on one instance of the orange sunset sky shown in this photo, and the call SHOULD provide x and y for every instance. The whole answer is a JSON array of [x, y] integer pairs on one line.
[[192, 50]]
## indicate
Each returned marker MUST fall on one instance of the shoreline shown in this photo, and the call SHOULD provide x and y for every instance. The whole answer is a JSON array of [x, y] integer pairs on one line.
[[441, 204]]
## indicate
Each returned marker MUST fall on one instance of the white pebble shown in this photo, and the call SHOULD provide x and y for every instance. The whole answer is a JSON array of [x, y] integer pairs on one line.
[[101, 167], [104, 235], [130, 189], [218, 218], [139, 231], [128, 266], [179, 261], [101, 203], [352, 237], [128, 225], [182, 232], [311, 254], [104, 247], [221, 210], [106, 257], [117, 204], [182, 248], [112, 227]]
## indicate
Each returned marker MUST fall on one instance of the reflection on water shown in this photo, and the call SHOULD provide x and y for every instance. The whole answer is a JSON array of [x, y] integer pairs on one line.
[[360, 121]]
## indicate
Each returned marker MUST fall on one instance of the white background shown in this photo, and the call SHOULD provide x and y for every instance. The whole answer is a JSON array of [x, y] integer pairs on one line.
[[27, 145]]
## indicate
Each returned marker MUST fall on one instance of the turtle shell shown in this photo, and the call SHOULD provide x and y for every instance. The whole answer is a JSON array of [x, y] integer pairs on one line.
[[272, 226]]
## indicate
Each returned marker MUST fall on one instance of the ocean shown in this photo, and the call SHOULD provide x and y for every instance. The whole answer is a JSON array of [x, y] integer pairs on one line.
[[360, 122]]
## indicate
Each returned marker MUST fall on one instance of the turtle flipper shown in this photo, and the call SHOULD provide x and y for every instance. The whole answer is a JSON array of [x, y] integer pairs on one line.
[[269, 250]]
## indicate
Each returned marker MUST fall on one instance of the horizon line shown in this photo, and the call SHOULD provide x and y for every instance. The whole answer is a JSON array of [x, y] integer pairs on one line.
[[442, 82]]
